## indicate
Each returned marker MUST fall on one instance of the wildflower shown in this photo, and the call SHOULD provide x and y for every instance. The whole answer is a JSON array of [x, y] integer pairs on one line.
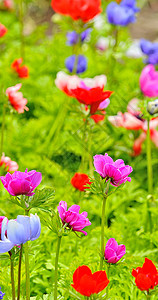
[[16, 98], [149, 81], [133, 120], [73, 37], [22, 71], [1, 294], [122, 14], [21, 183], [113, 251], [90, 91], [3, 30], [66, 82], [146, 277], [8, 4], [102, 43], [87, 283], [8, 164], [97, 118], [72, 217], [76, 64], [19, 231], [84, 10], [116, 171], [79, 181]]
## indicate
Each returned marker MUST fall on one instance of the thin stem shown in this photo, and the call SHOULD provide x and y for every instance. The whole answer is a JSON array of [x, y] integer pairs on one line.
[[27, 266], [103, 224], [3, 126], [12, 275], [83, 162], [149, 161], [21, 17], [108, 275], [56, 268], [19, 271], [150, 176]]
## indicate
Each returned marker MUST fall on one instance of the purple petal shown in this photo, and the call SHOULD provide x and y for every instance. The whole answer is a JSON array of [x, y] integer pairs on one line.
[[112, 172], [112, 244]]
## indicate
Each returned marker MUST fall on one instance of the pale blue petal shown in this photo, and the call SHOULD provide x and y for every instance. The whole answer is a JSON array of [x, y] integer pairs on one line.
[[35, 227]]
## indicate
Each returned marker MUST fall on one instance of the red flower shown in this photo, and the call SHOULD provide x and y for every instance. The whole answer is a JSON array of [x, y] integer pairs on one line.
[[87, 283], [23, 71], [3, 30], [146, 277], [77, 9], [79, 181]]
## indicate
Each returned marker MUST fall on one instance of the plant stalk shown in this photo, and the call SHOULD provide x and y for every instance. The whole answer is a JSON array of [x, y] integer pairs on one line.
[[103, 224], [56, 268], [26, 247], [21, 17], [108, 274], [19, 271], [150, 176], [3, 126], [12, 275]]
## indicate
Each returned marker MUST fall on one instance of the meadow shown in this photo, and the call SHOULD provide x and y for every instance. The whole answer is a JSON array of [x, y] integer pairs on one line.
[[58, 132]]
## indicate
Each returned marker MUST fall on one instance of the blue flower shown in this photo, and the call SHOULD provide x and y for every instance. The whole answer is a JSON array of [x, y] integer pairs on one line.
[[1, 294], [19, 231], [148, 47], [79, 63], [121, 14], [73, 37], [130, 4]]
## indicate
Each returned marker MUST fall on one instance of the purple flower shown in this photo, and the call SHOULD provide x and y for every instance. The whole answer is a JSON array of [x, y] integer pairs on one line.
[[1, 294], [113, 251], [72, 217], [152, 59], [70, 63], [148, 47], [120, 14], [21, 183], [72, 38], [116, 171], [19, 231]]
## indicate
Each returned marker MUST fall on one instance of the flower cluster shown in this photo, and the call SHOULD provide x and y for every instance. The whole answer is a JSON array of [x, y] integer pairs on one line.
[[8, 164], [16, 98], [22, 71], [151, 50], [122, 14], [132, 120]]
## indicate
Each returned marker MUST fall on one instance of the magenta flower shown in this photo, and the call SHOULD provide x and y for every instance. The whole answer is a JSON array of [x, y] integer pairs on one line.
[[21, 183], [113, 251], [149, 81], [72, 217], [116, 171]]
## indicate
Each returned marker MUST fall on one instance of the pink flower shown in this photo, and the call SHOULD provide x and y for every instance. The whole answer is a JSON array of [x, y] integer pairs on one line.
[[113, 251], [8, 4], [116, 171], [132, 120], [22, 71], [149, 81], [21, 183], [3, 30], [8, 164], [16, 98], [72, 217]]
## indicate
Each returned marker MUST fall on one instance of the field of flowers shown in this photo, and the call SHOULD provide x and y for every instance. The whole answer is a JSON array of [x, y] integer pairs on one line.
[[79, 151]]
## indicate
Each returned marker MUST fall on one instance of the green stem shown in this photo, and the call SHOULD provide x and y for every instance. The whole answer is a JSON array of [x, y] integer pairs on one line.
[[19, 271], [12, 275], [3, 126], [103, 225], [84, 154], [21, 17], [149, 161], [150, 176], [56, 268], [26, 247], [108, 275]]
